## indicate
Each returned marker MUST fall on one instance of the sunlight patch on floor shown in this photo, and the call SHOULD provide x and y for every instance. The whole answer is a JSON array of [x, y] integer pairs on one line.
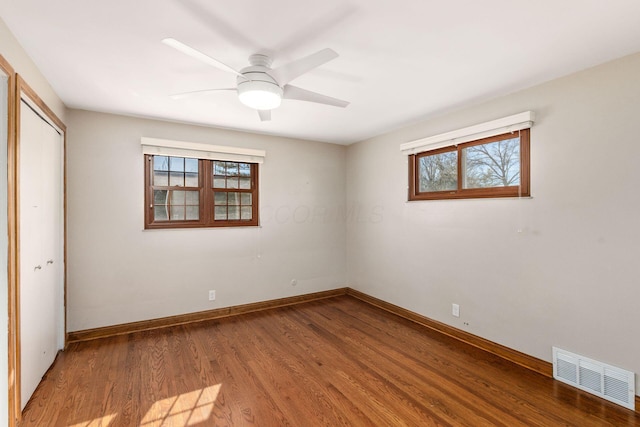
[[185, 409]]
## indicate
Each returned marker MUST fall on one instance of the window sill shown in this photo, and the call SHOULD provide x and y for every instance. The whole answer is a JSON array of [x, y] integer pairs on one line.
[[470, 199]]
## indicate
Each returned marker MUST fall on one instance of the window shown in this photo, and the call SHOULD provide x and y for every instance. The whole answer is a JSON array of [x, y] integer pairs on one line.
[[497, 166], [187, 192]]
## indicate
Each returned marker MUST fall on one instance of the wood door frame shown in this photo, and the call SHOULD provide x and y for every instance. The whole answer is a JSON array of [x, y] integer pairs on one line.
[[11, 135], [24, 91]]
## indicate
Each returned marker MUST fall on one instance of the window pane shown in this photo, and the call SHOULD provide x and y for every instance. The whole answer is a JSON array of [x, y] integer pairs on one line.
[[193, 212], [232, 182], [160, 197], [193, 198], [190, 179], [234, 198], [496, 164], [176, 164], [219, 182], [220, 213], [219, 168], [220, 198], [245, 169], [191, 165], [438, 172], [245, 213], [232, 169], [246, 199], [177, 213], [245, 183], [160, 179], [177, 197], [176, 179], [160, 213], [160, 163], [234, 212]]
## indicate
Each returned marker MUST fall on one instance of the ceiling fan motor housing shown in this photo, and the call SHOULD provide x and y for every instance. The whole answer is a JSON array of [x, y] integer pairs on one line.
[[258, 89]]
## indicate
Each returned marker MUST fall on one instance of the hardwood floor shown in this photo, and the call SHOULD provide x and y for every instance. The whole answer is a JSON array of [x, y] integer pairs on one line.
[[333, 362]]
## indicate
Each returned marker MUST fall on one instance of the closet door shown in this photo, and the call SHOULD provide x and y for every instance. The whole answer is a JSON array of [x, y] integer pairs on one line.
[[40, 247], [52, 240]]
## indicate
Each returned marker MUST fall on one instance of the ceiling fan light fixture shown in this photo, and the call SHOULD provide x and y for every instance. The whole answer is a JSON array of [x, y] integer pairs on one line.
[[260, 95]]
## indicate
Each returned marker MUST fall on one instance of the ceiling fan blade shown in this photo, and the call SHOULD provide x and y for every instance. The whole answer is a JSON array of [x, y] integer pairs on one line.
[[285, 73], [294, 92], [265, 115], [198, 92], [188, 50]]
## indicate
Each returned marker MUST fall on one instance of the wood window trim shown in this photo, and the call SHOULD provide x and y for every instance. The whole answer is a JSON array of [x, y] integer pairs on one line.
[[522, 190], [13, 387], [206, 198]]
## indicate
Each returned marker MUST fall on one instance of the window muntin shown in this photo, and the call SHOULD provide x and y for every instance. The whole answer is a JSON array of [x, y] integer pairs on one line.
[[497, 166], [185, 192]]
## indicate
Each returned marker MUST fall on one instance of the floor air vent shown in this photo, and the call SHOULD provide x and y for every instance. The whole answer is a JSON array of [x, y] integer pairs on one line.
[[606, 381]]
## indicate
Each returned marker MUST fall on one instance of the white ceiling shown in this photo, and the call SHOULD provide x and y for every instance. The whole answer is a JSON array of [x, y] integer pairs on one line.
[[400, 61]]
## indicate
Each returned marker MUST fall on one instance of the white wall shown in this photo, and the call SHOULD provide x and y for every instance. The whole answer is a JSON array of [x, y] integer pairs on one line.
[[22, 64], [119, 273], [557, 269]]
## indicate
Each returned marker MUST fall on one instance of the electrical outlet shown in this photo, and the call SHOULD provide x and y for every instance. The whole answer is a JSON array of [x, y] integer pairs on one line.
[[455, 310], [212, 295]]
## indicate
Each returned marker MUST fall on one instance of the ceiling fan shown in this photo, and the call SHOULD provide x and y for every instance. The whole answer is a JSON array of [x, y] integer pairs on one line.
[[261, 87]]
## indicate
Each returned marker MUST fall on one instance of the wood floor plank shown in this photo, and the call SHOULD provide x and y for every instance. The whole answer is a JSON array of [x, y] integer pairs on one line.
[[395, 370], [446, 379], [332, 362], [473, 368]]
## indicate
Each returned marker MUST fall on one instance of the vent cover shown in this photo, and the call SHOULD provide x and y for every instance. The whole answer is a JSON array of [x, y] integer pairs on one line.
[[606, 381]]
